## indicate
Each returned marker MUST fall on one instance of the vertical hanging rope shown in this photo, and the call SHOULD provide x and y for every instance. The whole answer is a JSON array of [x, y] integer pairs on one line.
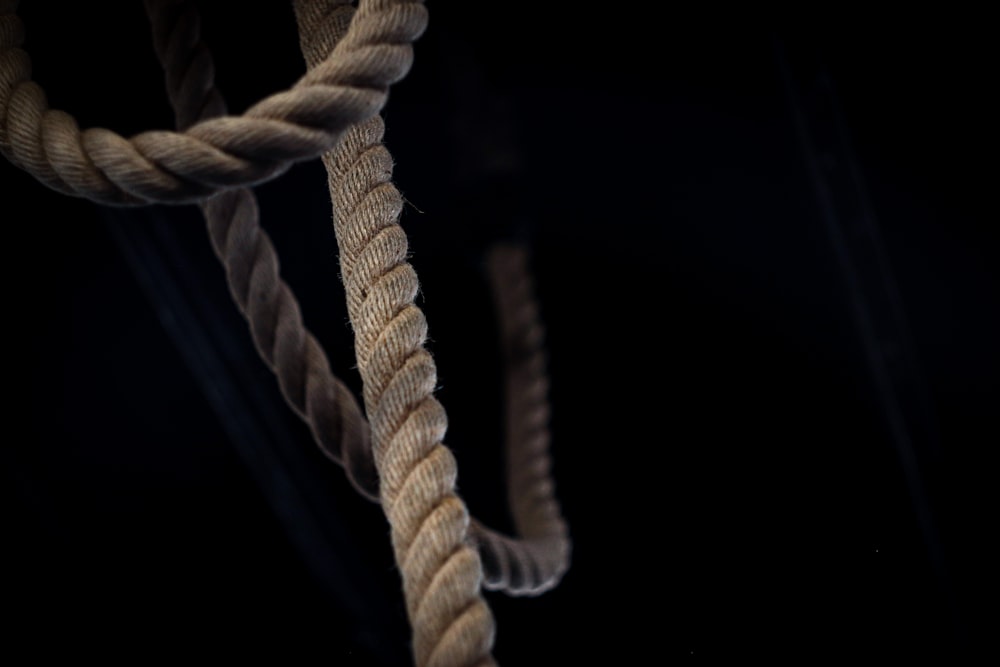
[[215, 154], [441, 569]]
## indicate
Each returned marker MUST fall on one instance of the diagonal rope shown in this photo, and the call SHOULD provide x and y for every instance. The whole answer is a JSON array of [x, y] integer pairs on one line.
[[366, 206], [215, 153], [440, 566]]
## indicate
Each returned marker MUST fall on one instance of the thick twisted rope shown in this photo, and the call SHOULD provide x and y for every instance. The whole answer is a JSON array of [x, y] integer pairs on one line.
[[251, 263], [217, 153], [440, 566], [442, 571], [537, 561], [441, 574], [366, 203], [518, 566], [526, 566]]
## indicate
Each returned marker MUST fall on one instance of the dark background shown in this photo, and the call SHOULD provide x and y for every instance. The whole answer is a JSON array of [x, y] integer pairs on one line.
[[772, 340]]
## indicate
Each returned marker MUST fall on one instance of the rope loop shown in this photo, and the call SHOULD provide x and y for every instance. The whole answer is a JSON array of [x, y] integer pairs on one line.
[[398, 456]]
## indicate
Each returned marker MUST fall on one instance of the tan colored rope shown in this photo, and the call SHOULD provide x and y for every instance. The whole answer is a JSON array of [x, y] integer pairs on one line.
[[545, 560], [218, 153], [442, 572], [451, 623], [251, 263], [440, 566], [435, 545]]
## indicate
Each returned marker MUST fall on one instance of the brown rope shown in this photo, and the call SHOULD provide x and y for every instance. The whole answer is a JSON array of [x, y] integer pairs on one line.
[[435, 543], [530, 565], [366, 206], [217, 153], [536, 561], [251, 263], [441, 569]]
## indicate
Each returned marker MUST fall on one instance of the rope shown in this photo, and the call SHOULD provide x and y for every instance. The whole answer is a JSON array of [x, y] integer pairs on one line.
[[441, 568], [217, 153], [537, 561], [437, 546], [251, 263], [530, 565], [366, 206]]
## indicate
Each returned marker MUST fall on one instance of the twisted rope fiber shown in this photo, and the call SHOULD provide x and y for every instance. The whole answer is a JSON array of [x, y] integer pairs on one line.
[[282, 341], [441, 568], [537, 561], [252, 266], [366, 206], [513, 566], [220, 223], [217, 153], [442, 571], [448, 628]]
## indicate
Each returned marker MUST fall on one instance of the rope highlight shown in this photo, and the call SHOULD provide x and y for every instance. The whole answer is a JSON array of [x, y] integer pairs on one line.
[[398, 456]]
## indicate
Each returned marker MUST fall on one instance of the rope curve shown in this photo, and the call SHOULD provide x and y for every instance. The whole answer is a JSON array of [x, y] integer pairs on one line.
[[445, 556], [515, 566], [538, 559], [219, 152], [366, 206], [251, 263]]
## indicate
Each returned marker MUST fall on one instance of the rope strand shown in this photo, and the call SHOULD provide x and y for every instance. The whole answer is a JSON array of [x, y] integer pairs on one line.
[[538, 560], [366, 206], [215, 153], [440, 566], [445, 557], [252, 267]]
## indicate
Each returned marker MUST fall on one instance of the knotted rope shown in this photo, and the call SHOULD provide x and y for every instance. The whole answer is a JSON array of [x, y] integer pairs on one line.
[[434, 542]]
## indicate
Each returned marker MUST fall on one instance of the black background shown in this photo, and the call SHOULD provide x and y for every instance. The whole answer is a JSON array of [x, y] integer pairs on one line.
[[721, 451]]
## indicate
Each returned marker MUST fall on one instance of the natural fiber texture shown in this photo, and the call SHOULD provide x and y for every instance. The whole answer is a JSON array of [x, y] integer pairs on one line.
[[525, 566], [217, 153], [366, 206], [403, 461], [441, 569], [251, 263]]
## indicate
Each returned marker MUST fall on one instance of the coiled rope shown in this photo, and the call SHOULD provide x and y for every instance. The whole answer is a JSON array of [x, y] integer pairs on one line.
[[434, 542]]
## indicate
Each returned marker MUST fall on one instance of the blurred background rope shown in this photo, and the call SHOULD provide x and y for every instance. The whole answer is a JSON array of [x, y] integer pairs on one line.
[[366, 206]]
